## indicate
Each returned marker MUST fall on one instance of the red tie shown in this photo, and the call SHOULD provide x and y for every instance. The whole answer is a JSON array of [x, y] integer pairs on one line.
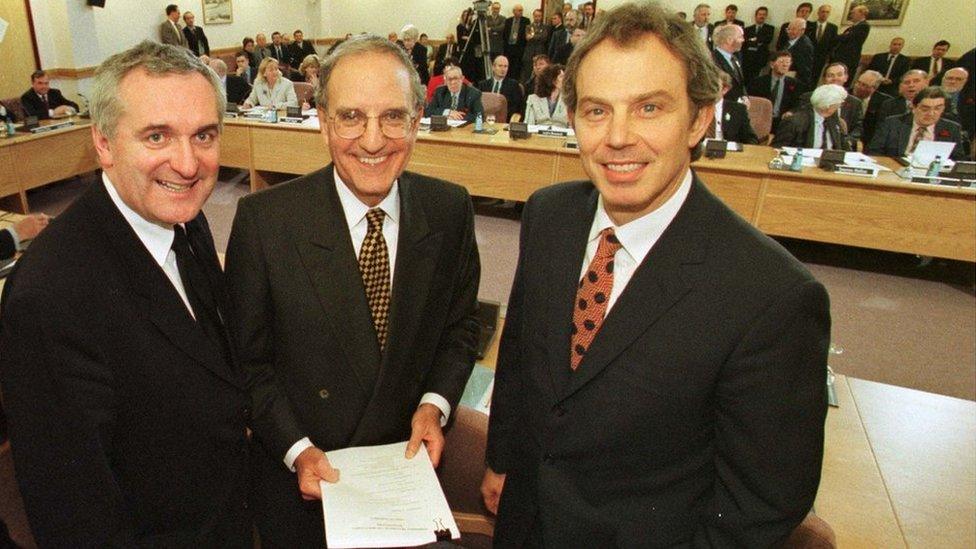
[[592, 296]]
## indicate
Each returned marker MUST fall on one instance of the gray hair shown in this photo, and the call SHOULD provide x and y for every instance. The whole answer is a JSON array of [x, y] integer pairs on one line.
[[724, 33], [827, 95], [874, 77], [156, 59], [411, 32], [367, 43], [219, 66]]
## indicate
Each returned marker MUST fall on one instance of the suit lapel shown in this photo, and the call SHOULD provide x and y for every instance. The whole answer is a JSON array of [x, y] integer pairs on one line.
[[669, 271], [333, 271]]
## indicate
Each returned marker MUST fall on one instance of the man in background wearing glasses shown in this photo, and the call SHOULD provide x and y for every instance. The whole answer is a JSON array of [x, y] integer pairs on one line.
[[354, 291]]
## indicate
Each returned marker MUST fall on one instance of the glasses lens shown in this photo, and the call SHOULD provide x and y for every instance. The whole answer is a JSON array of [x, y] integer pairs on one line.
[[352, 124]]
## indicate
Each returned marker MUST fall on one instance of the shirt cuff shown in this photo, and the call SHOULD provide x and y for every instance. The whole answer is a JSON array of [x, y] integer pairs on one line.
[[442, 404], [294, 451], [447, 112], [15, 236]]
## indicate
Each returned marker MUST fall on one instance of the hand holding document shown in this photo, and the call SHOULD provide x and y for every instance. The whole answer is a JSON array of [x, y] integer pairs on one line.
[[384, 499]]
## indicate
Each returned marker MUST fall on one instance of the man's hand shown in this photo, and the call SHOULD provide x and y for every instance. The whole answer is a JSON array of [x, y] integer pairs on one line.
[[491, 489], [63, 110], [311, 466], [456, 115], [30, 226], [426, 427]]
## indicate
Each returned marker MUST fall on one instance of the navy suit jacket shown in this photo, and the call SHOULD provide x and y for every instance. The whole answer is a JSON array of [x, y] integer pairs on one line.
[[879, 62], [738, 88], [847, 47], [469, 102], [871, 117], [802, 51], [33, 105], [892, 136], [736, 125], [512, 91], [797, 131]]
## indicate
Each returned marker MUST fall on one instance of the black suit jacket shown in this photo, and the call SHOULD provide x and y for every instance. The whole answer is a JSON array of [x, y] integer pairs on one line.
[[7, 250], [512, 91], [870, 121], [738, 88], [848, 45], [283, 56], [696, 417], [823, 47], [296, 53], [469, 102], [803, 59], [879, 62], [896, 106], [558, 38], [419, 58], [736, 125], [923, 64], [443, 53], [306, 336], [784, 37], [507, 33], [850, 112], [197, 41], [755, 50], [237, 89], [128, 425], [892, 136], [33, 105], [762, 87], [797, 131]]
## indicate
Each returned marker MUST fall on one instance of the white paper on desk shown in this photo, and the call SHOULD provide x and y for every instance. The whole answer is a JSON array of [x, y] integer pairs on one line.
[[383, 499], [926, 151], [451, 123]]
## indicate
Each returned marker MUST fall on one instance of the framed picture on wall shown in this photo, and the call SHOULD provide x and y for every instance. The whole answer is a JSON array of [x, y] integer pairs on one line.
[[883, 13], [218, 12]]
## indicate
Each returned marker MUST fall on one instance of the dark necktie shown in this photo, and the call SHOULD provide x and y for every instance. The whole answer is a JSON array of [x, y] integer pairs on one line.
[[775, 96], [916, 139], [199, 288], [497, 85], [737, 68], [374, 265], [592, 296], [820, 31], [454, 101], [47, 106]]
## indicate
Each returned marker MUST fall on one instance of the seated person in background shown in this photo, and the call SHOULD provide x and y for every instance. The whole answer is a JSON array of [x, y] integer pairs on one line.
[[455, 100], [299, 49], [545, 107], [438, 81], [731, 121], [899, 135], [244, 69], [247, 46], [817, 125], [851, 112], [500, 83], [539, 62], [781, 90], [866, 89], [309, 69], [271, 89], [953, 82], [235, 88], [11, 238], [911, 83], [45, 102]]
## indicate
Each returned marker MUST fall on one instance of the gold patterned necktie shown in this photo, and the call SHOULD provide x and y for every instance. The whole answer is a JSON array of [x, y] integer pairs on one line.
[[374, 265], [592, 296]]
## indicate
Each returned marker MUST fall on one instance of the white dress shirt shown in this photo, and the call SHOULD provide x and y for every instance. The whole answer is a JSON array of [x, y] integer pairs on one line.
[[355, 213], [636, 238], [718, 118], [821, 140]]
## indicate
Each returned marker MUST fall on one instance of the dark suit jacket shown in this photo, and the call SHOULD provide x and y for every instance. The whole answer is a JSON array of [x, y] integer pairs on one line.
[[847, 47], [419, 58], [803, 52], [296, 53], [870, 121], [128, 425], [237, 89], [196, 40], [738, 88], [821, 49], [755, 50], [923, 64], [696, 417], [469, 102], [784, 37], [442, 53], [306, 336], [520, 40], [879, 62], [892, 136], [762, 87], [284, 55], [512, 92], [7, 250], [896, 106], [797, 131], [33, 105], [850, 112], [736, 125], [562, 53], [558, 38]]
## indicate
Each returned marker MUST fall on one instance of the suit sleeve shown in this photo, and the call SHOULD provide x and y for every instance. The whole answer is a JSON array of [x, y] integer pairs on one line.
[[475, 107], [7, 246], [205, 42], [770, 410], [786, 134], [877, 144], [251, 328], [59, 395]]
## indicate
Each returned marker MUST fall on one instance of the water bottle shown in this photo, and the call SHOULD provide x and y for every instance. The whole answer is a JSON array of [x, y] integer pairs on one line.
[[797, 160], [273, 115], [935, 167], [478, 125], [11, 131]]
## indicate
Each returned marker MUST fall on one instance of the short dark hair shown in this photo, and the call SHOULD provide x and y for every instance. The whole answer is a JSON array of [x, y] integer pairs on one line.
[[37, 74], [274, 33], [539, 56], [171, 8], [450, 60], [942, 43], [241, 53], [732, 7], [777, 54], [837, 64], [546, 83], [247, 39], [807, 5], [298, 31], [931, 92], [761, 8], [557, 14]]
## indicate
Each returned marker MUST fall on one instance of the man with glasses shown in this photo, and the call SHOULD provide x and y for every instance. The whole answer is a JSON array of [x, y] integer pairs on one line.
[[900, 135], [353, 292], [455, 99]]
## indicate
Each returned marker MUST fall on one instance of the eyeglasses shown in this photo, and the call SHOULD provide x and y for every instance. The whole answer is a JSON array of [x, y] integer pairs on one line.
[[351, 124]]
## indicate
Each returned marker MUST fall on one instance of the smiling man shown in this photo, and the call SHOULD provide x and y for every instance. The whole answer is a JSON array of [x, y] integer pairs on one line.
[[661, 377], [127, 415], [354, 291]]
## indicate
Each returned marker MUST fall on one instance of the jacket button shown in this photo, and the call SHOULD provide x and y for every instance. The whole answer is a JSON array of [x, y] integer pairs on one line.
[[323, 394]]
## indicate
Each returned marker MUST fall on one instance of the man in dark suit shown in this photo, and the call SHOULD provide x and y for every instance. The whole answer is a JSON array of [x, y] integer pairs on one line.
[[495, 24], [447, 50], [782, 91], [731, 13], [801, 49], [561, 33], [911, 83], [848, 45], [236, 89], [514, 35], [898, 136], [851, 112], [455, 99], [196, 40], [500, 83], [866, 89], [340, 352], [564, 51], [823, 36], [959, 105], [936, 64], [803, 11], [278, 49], [298, 49], [732, 118], [891, 65], [815, 125], [728, 41], [128, 414], [660, 380], [755, 52], [43, 101]]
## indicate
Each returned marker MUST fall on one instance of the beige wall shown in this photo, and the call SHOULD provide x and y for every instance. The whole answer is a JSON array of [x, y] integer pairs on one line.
[[15, 50]]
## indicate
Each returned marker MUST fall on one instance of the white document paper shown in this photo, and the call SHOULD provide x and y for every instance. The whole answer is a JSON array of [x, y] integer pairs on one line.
[[383, 499]]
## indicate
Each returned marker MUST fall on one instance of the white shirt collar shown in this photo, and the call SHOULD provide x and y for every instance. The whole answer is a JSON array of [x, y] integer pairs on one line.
[[639, 236], [355, 210], [157, 239], [725, 54]]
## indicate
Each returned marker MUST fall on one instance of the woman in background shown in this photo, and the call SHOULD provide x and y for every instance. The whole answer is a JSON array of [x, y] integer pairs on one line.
[[270, 88], [545, 107]]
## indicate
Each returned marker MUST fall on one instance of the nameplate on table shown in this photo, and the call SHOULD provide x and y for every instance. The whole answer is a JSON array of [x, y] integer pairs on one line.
[[861, 171], [291, 120], [52, 127], [553, 133]]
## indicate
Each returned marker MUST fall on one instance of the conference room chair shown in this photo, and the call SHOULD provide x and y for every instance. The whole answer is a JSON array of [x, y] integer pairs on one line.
[[496, 104], [304, 91], [14, 107], [461, 470], [761, 117]]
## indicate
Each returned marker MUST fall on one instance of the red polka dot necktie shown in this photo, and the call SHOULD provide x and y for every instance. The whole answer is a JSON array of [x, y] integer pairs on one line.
[[592, 296], [374, 265]]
